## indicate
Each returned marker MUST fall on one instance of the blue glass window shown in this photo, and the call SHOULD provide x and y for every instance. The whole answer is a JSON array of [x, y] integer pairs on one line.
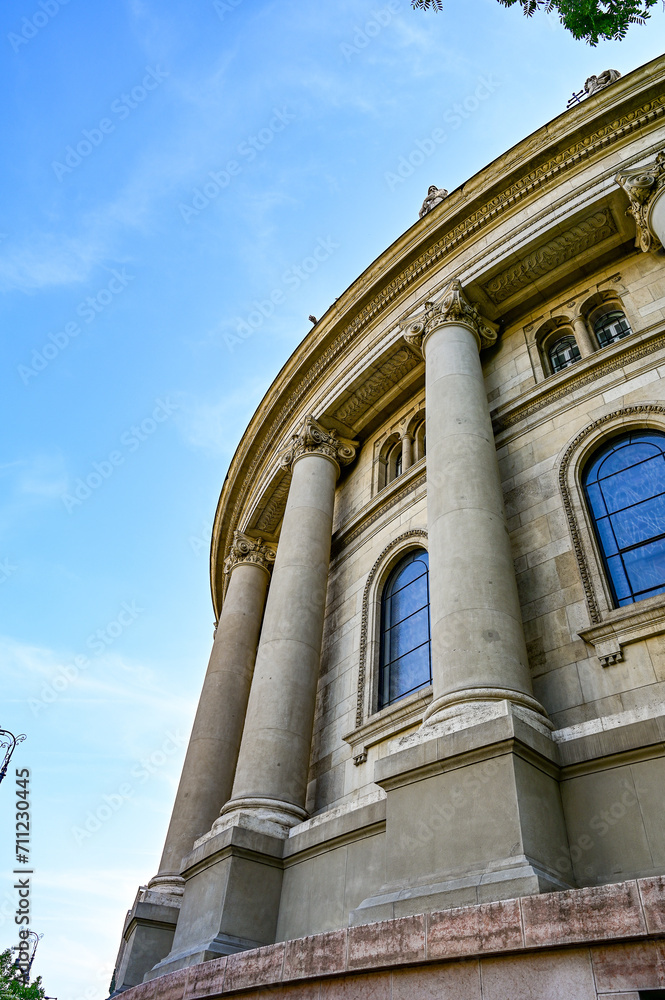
[[625, 489], [405, 664]]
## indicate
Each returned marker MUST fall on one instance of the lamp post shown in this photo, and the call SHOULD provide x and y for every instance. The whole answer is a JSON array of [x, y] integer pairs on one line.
[[8, 742]]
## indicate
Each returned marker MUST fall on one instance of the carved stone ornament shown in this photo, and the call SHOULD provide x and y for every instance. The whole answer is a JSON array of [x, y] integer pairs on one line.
[[248, 550], [314, 439], [605, 79], [433, 198], [452, 307], [641, 185]]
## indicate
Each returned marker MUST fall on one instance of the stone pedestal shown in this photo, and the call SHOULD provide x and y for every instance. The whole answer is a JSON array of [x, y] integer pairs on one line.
[[146, 937], [231, 900], [472, 816]]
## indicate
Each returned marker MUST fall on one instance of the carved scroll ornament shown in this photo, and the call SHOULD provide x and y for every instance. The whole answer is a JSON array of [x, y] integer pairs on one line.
[[641, 186]]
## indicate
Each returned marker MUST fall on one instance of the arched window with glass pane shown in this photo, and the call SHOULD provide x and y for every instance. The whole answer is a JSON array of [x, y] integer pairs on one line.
[[405, 659], [563, 353], [609, 325], [625, 489]]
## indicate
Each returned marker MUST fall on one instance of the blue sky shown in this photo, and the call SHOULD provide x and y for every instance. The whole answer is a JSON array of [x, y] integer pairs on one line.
[[169, 170]]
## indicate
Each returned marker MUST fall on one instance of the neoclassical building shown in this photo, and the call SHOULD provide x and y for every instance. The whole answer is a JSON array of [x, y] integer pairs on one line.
[[429, 755]]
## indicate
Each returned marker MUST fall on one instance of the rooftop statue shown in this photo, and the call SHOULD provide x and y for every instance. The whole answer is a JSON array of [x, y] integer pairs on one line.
[[434, 197], [596, 83]]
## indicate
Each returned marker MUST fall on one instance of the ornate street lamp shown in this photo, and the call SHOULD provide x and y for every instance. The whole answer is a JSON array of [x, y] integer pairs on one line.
[[34, 938], [8, 742]]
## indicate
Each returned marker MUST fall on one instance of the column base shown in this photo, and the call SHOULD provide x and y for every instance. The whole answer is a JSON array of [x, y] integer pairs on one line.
[[462, 709], [147, 936], [233, 884], [473, 815], [271, 817]]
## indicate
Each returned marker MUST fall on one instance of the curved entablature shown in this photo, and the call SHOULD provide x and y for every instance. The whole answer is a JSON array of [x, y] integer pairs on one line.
[[511, 235]]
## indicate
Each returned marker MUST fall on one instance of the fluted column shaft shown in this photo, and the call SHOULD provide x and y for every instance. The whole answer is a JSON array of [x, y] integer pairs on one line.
[[271, 777], [478, 645], [212, 754]]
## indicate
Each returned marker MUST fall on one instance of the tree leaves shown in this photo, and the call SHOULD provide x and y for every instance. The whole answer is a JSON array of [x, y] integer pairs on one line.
[[588, 20]]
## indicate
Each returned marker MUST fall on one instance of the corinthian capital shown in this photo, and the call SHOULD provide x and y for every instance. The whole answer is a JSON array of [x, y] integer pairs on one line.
[[314, 439], [248, 550], [452, 307], [641, 186]]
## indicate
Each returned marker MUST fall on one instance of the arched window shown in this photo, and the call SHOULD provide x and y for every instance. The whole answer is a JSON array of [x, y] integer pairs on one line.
[[625, 490], [609, 325], [398, 463], [563, 352], [405, 661]]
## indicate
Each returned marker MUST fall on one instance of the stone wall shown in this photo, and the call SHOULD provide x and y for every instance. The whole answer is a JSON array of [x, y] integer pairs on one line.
[[580, 945]]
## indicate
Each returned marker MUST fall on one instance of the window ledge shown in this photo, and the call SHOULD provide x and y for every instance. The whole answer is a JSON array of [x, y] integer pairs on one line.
[[390, 721], [625, 625]]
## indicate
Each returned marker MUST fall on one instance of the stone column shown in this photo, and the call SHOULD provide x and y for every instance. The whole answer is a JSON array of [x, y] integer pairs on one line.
[[407, 450], [478, 646], [645, 187], [472, 798], [210, 762], [212, 754], [271, 778], [583, 337]]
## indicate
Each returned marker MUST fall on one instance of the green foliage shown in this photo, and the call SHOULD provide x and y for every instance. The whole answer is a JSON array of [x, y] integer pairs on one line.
[[590, 20], [12, 986]]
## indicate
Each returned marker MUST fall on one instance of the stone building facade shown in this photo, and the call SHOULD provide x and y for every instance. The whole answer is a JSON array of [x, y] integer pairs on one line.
[[429, 754]]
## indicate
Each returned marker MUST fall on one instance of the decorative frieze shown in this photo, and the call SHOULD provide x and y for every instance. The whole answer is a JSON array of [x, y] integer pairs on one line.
[[248, 550], [452, 307], [582, 236], [313, 438], [641, 185], [377, 384]]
